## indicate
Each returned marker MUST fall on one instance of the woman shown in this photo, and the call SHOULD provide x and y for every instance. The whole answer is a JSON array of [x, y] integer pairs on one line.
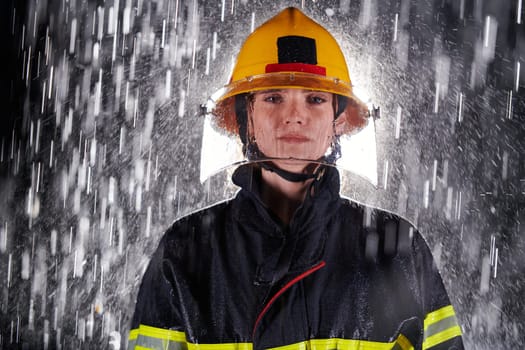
[[288, 263]]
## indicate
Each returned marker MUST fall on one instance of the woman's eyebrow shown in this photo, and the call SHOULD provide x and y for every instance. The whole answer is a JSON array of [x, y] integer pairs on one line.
[[269, 91], [306, 91]]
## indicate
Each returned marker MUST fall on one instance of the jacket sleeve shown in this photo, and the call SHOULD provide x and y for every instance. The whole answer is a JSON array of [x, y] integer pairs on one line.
[[441, 327], [157, 321]]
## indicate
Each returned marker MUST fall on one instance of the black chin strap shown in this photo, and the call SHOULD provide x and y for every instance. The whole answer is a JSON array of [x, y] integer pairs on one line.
[[289, 176]]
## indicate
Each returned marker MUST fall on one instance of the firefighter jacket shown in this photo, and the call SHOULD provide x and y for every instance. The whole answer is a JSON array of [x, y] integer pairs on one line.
[[339, 276]]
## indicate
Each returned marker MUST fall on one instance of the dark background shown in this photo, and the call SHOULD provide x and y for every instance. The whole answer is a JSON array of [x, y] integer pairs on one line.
[[79, 217]]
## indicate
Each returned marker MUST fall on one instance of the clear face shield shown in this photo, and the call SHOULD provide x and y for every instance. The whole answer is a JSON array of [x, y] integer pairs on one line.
[[291, 129]]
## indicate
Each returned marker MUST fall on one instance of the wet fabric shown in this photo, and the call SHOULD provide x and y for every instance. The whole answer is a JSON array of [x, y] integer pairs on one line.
[[339, 276]]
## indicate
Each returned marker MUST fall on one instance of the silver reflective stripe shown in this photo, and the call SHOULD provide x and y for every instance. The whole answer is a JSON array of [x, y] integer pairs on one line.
[[159, 344], [441, 326], [132, 343]]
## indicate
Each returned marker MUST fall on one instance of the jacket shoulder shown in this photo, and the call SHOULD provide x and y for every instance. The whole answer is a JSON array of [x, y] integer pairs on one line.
[[199, 225], [386, 234], [200, 218]]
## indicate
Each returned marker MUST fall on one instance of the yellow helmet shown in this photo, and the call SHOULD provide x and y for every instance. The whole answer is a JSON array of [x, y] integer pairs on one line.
[[290, 51]]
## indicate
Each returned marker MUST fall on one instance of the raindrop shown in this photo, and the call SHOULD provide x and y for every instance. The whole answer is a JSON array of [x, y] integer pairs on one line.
[[398, 122], [448, 207], [168, 81], [193, 54], [42, 105], [3, 238], [252, 25], [396, 19], [485, 275], [28, 65], [9, 266], [495, 267], [214, 46], [426, 189], [126, 20], [98, 93], [50, 83], [138, 198], [46, 334], [24, 274], [73, 35], [53, 242], [504, 166], [51, 148], [492, 249], [509, 105], [518, 13], [385, 175], [434, 175], [148, 221], [163, 37], [111, 190], [182, 103], [436, 98], [517, 84], [207, 71], [460, 108]]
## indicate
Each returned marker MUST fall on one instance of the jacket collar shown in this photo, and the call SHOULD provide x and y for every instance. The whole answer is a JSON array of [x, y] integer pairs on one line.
[[298, 246]]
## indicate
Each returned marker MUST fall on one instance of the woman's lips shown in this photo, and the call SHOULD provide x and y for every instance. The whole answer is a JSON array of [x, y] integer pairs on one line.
[[293, 138]]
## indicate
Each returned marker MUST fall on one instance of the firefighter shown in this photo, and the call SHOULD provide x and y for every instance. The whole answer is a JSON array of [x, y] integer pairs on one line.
[[287, 263]]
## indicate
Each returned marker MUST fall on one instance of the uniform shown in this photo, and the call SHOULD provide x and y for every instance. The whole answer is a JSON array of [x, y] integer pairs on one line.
[[339, 276]]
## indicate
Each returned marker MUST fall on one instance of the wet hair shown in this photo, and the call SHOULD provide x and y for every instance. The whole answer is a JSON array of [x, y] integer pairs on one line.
[[241, 113]]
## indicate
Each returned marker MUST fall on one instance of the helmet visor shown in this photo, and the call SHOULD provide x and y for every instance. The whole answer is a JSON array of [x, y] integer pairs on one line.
[[222, 150]]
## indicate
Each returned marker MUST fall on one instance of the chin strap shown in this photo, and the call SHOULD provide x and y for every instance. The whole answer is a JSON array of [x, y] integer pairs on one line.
[[293, 177], [287, 175], [252, 152]]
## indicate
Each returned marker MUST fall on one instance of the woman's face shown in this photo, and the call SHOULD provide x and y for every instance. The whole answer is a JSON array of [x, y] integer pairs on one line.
[[292, 123]]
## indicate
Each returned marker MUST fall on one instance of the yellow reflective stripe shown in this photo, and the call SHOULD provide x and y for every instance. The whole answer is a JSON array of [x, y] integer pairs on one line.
[[161, 333], [401, 343], [133, 334], [404, 343], [147, 337], [225, 346], [440, 326], [438, 315]]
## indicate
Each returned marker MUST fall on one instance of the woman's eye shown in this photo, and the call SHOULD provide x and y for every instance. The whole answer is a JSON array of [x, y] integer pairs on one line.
[[316, 99], [273, 99]]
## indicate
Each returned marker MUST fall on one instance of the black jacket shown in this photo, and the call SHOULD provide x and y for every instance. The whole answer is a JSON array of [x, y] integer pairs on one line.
[[339, 276]]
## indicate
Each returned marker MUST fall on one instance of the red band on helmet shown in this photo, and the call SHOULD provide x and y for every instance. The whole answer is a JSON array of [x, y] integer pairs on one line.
[[295, 67]]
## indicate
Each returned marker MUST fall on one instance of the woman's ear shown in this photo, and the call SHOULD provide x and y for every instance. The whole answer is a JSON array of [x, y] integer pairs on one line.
[[352, 119], [340, 124]]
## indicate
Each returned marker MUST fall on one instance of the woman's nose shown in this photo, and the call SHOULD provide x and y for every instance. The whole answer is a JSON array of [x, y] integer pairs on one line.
[[295, 113]]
